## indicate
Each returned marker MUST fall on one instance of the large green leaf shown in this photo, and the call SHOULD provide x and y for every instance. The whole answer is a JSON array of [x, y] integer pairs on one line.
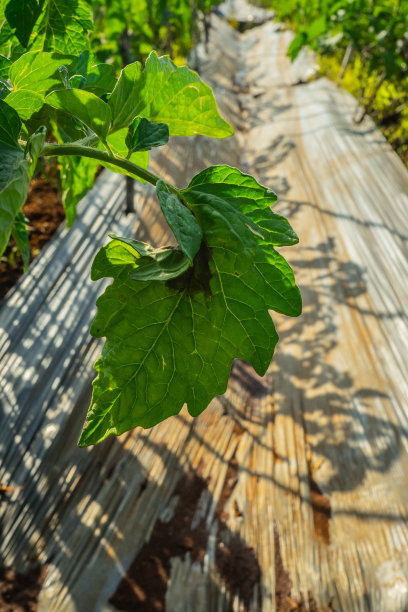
[[169, 94], [170, 343], [62, 27], [10, 126], [37, 71], [84, 105], [32, 76], [25, 102], [22, 15], [16, 170], [100, 79], [239, 194], [225, 201]]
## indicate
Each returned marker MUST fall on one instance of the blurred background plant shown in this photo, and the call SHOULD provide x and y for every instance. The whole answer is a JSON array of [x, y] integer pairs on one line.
[[363, 45]]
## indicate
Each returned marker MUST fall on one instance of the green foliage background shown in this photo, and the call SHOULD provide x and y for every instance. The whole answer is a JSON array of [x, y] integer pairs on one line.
[[375, 35]]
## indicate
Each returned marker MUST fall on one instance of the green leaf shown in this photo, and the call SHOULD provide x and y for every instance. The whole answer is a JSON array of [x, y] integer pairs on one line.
[[124, 99], [170, 343], [181, 221], [37, 71], [144, 261], [5, 64], [10, 159], [77, 178], [16, 170], [4, 90], [25, 102], [7, 37], [295, 46], [22, 15], [117, 144], [10, 126], [100, 79], [161, 264], [84, 105], [20, 234], [62, 27], [166, 93], [82, 63], [316, 28], [242, 194], [143, 135], [225, 202]]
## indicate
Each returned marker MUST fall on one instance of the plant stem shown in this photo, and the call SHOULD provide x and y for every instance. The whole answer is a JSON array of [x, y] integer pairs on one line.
[[368, 105], [107, 147], [344, 63], [51, 150]]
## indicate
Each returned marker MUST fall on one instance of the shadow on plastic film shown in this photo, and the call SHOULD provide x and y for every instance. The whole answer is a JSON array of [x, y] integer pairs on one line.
[[72, 501], [326, 394], [291, 207]]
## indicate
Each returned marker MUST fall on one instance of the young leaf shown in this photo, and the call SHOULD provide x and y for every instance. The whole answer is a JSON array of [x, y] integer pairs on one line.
[[173, 342], [143, 135], [165, 93], [181, 221], [20, 235], [22, 15], [143, 261], [84, 105], [117, 144], [15, 173]]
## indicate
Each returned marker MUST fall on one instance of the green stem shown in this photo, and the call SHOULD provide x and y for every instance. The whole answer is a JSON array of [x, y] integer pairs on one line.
[[107, 147], [51, 150]]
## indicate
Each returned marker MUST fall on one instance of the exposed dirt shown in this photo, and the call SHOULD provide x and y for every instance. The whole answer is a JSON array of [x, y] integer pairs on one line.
[[321, 512], [285, 601], [283, 583], [18, 592], [45, 213], [144, 586]]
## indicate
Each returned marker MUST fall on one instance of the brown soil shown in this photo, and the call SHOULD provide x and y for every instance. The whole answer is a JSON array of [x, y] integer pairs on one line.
[[145, 584], [18, 592], [321, 512], [45, 213], [285, 601]]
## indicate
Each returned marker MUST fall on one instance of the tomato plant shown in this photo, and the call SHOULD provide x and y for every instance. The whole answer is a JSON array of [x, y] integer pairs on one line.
[[174, 318]]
